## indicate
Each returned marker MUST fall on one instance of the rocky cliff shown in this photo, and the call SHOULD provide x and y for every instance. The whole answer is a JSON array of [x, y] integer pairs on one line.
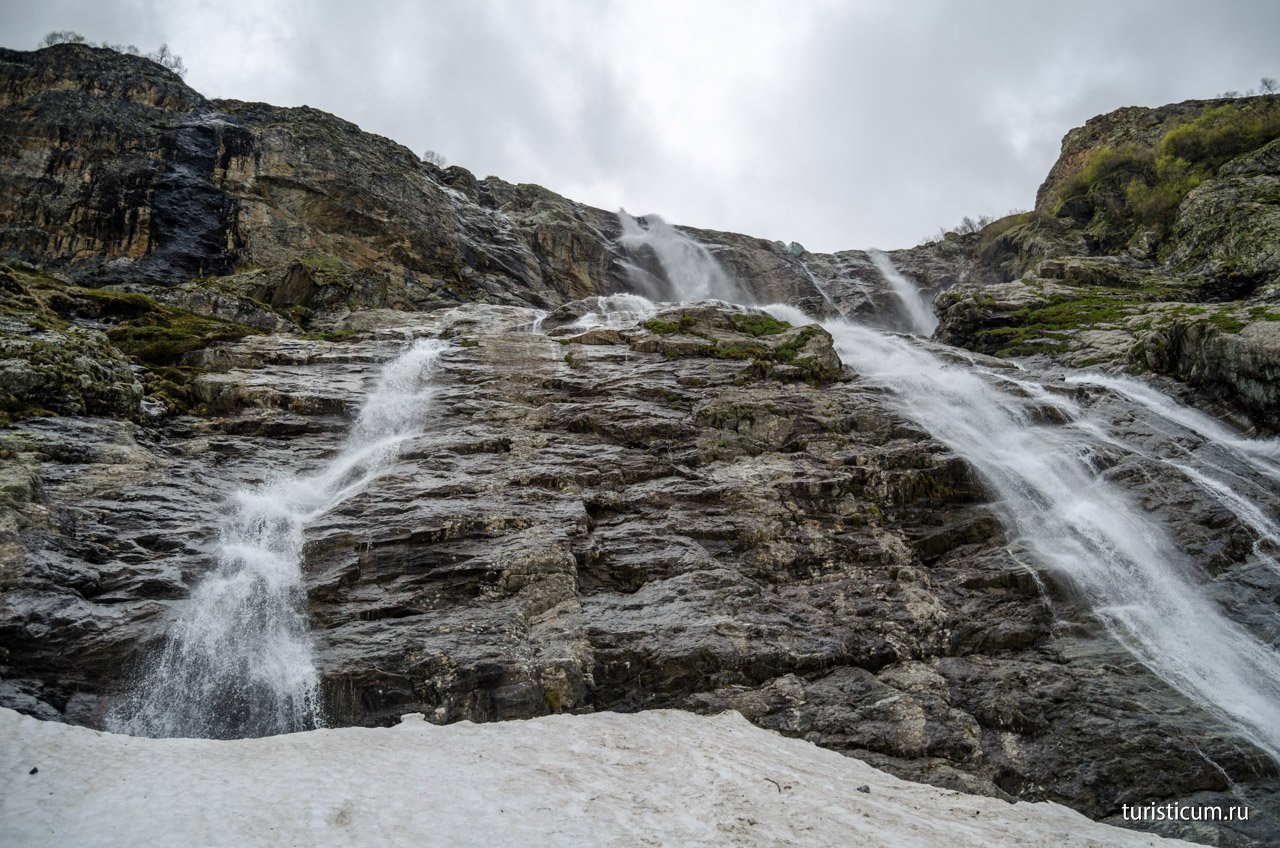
[[1152, 248], [702, 511]]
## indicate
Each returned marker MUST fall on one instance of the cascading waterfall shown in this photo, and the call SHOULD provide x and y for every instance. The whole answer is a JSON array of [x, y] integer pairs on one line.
[[1086, 529], [1262, 454], [1120, 559], [919, 311], [237, 660], [692, 273], [615, 311]]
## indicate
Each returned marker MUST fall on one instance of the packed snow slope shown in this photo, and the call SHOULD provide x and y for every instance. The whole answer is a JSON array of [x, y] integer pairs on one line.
[[654, 778]]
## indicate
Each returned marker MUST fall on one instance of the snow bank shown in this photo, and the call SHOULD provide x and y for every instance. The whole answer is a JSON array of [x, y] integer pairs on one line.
[[657, 778]]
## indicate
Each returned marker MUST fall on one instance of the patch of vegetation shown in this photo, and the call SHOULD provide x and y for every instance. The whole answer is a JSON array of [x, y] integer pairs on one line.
[[1047, 328], [1016, 243], [736, 351], [165, 335], [324, 263], [151, 334], [1225, 321], [787, 351], [160, 339], [1122, 191], [758, 325], [684, 324], [164, 57]]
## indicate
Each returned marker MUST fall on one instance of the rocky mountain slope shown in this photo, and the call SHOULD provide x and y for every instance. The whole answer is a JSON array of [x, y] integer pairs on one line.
[[703, 511], [1154, 246]]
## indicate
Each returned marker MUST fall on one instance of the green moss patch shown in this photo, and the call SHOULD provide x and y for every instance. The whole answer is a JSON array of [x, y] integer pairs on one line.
[[1046, 328], [126, 324], [684, 324], [758, 325]]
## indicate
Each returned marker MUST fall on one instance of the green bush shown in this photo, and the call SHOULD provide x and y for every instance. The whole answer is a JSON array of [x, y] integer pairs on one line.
[[1155, 203], [1120, 191], [1222, 133], [1104, 165]]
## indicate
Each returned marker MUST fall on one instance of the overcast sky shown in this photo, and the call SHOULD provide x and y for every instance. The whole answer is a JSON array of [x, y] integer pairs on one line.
[[835, 124]]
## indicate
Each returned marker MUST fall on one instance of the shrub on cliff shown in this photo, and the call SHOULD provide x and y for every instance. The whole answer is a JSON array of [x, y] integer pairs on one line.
[[1120, 192], [164, 57], [1222, 133]]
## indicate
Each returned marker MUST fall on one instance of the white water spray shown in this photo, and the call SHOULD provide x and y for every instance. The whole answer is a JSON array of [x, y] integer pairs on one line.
[[616, 311], [238, 657], [919, 311]]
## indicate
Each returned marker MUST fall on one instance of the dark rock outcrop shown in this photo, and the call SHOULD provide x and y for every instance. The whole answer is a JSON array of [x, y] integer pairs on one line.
[[1196, 300], [117, 171]]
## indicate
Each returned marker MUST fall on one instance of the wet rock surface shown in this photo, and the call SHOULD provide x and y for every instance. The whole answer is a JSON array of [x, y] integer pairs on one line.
[[619, 522]]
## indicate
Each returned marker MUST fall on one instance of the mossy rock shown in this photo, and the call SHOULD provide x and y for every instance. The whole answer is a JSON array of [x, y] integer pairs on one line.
[[775, 349], [70, 372], [55, 365]]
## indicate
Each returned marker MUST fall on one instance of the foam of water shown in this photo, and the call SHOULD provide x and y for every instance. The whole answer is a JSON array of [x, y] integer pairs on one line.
[[919, 311], [238, 660], [616, 311]]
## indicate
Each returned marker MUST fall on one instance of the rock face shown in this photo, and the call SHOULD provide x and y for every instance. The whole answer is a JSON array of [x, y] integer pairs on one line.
[[118, 171], [699, 510], [698, 513], [1132, 125], [1196, 298]]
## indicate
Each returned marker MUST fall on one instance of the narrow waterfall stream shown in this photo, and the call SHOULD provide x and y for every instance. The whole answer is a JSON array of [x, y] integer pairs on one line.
[[1075, 522], [918, 310], [237, 661]]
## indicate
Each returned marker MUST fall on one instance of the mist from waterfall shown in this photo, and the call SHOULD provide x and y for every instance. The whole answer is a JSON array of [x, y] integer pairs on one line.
[[1098, 539], [238, 659]]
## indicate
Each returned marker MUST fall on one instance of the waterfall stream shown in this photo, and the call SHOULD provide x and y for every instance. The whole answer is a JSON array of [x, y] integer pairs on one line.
[[917, 309], [237, 660], [1076, 523]]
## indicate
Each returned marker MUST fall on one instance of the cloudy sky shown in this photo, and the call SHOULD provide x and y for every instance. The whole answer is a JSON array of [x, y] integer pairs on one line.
[[835, 124]]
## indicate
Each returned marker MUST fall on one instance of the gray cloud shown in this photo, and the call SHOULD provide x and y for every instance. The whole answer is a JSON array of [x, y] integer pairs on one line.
[[834, 124]]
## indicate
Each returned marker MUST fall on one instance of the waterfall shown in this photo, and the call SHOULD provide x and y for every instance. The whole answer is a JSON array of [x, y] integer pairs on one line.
[[1083, 528], [919, 311], [1075, 522], [692, 273], [1262, 454], [821, 289], [237, 660]]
